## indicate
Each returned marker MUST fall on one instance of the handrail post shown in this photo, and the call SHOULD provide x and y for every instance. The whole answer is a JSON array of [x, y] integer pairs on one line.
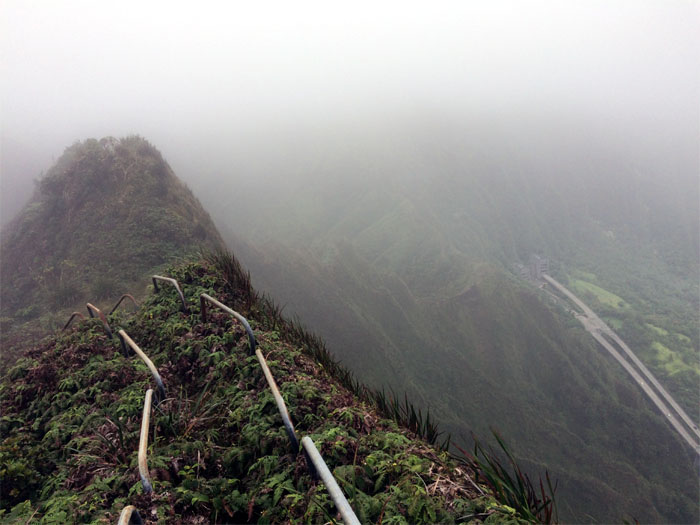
[[346, 512], [126, 340], [156, 278], [92, 308], [125, 296], [203, 307], [73, 316], [130, 516], [143, 444], [203, 298]]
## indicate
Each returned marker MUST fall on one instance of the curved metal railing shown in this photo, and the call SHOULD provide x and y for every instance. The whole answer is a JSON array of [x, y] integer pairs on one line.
[[92, 310], [315, 462], [127, 341], [125, 296], [172, 281], [320, 467], [204, 298], [317, 466], [281, 406], [130, 516], [73, 316], [143, 444]]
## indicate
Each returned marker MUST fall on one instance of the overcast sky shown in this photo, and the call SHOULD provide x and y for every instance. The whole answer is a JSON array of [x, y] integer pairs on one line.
[[191, 76]]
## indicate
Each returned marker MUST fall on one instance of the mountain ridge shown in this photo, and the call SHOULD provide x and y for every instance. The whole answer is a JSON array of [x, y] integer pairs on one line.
[[103, 216]]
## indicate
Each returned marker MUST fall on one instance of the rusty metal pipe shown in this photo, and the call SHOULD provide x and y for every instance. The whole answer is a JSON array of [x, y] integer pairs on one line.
[[143, 444], [281, 406], [125, 296], [204, 298], [128, 341], [73, 316], [92, 310], [172, 281]]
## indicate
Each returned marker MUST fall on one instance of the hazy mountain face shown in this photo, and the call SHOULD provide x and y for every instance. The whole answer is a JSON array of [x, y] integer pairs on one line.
[[406, 274], [383, 166]]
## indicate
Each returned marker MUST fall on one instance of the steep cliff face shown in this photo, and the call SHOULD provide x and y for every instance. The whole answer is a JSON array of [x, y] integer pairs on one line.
[[218, 450], [101, 218]]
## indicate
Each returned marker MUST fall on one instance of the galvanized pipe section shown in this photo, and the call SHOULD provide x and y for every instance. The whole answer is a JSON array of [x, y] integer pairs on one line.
[[130, 516], [172, 281], [278, 399], [92, 310], [143, 444], [125, 296], [204, 298], [346, 512], [127, 341], [73, 316]]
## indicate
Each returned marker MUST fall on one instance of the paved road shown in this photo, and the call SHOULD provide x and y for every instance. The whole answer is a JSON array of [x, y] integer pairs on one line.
[[598, 329]]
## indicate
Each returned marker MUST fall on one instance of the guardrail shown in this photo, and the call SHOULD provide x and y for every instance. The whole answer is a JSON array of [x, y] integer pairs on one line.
[[281, 406], [143, 444], [172, 281], [73, 316], [130, 516], [92, 310], [125, 296], [127, 341], [315, 462], [204, 298], [320, 467], [252, 343], [317, 466]]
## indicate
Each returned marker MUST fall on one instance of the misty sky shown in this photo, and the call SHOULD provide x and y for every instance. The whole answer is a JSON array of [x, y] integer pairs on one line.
[[197, 78]]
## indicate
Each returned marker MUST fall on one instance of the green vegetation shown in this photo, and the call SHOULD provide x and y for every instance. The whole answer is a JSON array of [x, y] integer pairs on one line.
[[659, 327], [671, 361], [511, 485], [601, 295], [104, 216], [659, 330], [218, 451], [409, 283]]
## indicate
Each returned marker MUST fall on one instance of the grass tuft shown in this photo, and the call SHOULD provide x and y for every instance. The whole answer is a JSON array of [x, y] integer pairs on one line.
[[509, 484]]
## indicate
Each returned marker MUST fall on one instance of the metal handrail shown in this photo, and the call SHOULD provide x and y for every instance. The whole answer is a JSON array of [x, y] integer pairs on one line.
[[204, 298], [172, 281], [143, 444], [125, 296], [130, 516], [279, 400], [316, 464], [346, 512], [128, 341], [92, 310], [73, 316]]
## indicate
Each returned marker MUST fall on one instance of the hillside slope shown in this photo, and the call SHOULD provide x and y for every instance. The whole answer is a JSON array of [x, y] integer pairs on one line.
[[218, 453], [406, 276], [106, 214], [495, 355]]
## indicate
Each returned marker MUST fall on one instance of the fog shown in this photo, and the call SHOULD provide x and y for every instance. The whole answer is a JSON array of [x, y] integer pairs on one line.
[[239, 90]]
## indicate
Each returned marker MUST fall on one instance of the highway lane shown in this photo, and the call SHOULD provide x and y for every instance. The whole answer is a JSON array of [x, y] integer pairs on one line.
[[593, 330], [598, 329], [684, 416]]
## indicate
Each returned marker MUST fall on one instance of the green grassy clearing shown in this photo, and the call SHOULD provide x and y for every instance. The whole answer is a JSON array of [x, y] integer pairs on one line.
[[615, 323], [657, 329], [604, 297], [670, 360]]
